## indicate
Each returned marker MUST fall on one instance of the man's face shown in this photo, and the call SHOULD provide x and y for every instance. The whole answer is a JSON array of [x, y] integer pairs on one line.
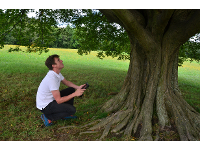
[[59, 63]]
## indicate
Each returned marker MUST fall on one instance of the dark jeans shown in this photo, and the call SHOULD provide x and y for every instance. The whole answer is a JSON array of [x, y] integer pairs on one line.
[[54, 111]]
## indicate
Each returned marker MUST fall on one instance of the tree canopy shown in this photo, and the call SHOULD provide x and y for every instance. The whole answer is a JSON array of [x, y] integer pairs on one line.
[[91, 31]]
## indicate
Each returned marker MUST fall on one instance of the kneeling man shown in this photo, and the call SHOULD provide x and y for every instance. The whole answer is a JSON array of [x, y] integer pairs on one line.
[[55, 104]]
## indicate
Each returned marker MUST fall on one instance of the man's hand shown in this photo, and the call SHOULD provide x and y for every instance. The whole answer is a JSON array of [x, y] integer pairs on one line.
[[80, 91], [80, 87]]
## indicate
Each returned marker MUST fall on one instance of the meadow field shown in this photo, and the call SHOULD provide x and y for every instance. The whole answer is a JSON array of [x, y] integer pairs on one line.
[[21, 74]]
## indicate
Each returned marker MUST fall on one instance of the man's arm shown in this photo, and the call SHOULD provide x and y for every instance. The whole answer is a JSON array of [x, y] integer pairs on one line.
[[70, 84], [59, 99]]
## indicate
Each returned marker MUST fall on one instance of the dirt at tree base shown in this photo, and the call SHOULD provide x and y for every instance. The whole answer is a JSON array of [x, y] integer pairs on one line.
[[167, 133]]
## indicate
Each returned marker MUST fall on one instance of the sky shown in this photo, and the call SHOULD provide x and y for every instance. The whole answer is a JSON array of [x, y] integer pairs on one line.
[[32, 14]]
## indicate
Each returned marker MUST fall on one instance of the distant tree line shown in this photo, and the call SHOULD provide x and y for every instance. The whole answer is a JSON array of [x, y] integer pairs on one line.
[[61, 38]]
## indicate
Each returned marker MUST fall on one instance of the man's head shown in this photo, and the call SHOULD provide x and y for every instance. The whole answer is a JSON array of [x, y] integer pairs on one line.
[[53, 61]]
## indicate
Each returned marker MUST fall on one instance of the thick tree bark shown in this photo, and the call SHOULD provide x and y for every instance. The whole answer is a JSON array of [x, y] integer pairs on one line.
[[151, 85]]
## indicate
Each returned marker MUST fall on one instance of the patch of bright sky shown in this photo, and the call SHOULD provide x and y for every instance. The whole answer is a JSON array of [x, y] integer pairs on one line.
[[32, 14], [195, 38]]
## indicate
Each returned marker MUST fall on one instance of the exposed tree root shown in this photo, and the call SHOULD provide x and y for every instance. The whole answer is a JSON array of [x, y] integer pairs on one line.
[[91, 123], [187, 120], [66, 127], [138, 122]]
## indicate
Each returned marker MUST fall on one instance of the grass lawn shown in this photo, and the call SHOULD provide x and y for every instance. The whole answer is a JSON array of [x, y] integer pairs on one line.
[[189, 83], [21, 74]]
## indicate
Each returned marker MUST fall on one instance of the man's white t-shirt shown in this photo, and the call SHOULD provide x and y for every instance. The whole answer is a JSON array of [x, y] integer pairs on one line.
[[50, 83]]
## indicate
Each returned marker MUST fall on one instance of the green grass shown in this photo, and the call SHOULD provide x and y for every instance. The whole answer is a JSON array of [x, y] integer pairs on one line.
[[21, 74], [189, 83]]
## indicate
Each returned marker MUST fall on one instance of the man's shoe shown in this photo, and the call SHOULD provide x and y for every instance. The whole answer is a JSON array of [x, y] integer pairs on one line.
[[46, 121], [70, 117]]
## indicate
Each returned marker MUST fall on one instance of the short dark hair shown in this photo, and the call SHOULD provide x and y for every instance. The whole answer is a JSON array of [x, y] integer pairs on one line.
[[50, 61]]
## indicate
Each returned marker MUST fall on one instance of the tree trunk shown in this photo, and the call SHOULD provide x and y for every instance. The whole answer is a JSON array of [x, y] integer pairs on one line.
[[150, 90]]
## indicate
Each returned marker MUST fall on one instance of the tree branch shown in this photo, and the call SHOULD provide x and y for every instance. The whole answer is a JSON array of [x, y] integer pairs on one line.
[[192, 26], [111, 17], [161, 21], [184, 24], [132, 25]]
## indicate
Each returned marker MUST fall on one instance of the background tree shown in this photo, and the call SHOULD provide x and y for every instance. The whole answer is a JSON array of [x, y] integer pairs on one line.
[[189, 51], [61, 37], [150, 93], [17, 21], [65, 37]]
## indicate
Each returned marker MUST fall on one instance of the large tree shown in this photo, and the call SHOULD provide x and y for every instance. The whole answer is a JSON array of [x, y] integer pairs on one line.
[[152, 79], [150, 94]]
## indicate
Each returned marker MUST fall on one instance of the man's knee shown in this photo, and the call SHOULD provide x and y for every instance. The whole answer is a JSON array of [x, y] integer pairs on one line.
[[72, 89], [72, 110], [67, 91]]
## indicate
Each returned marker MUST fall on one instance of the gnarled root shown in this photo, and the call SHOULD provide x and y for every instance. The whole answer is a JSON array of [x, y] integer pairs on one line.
[[187, 120], [131, 119], [138, 122], [114, 118]]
